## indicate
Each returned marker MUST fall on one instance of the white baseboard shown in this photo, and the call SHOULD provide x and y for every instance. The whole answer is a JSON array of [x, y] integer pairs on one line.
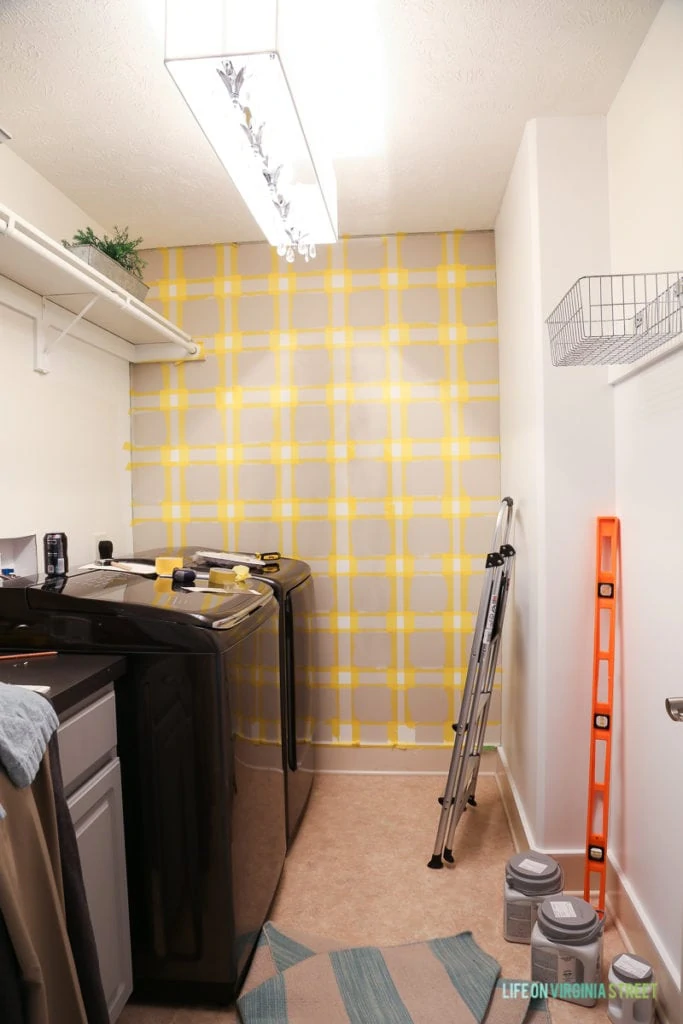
[[338, 760], [622, 905]]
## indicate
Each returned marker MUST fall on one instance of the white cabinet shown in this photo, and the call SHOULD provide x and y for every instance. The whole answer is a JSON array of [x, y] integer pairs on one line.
[[97, 813], [87, 740], [87, 746]]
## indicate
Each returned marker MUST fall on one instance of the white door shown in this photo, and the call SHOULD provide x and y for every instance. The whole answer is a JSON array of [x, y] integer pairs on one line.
[[646, 834]]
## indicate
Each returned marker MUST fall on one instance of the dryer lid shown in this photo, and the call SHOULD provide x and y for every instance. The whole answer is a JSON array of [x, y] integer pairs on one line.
[[284, 574], [107, 592]]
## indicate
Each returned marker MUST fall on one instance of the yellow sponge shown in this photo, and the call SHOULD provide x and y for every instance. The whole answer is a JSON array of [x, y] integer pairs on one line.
[[164, 566]]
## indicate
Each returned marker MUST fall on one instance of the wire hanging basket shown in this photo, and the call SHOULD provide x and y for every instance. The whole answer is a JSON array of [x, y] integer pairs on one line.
[[615, 318]]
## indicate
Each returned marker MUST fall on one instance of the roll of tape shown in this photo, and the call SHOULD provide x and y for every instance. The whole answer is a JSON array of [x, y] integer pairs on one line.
[[221, 577]]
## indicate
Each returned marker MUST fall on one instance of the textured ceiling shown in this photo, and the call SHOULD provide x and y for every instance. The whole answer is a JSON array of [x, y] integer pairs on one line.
[[427, 99]]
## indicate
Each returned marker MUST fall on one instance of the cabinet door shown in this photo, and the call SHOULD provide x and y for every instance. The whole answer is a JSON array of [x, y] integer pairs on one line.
[[97, 814]]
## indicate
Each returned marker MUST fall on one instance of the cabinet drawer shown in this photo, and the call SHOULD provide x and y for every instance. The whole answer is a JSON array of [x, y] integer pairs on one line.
[[87, 739]]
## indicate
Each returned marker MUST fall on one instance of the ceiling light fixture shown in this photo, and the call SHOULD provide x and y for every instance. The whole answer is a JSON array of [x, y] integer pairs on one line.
[[239, 65]]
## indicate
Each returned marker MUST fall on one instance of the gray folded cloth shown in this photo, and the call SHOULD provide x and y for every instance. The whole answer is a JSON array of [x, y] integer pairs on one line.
[[27, 721]]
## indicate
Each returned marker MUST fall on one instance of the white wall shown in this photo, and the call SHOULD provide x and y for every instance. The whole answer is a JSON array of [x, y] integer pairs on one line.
[[578, 432], [521, 413], [557, 461], [591, 195], [62, 440], [645, 140], [32, 197], [63, 436]]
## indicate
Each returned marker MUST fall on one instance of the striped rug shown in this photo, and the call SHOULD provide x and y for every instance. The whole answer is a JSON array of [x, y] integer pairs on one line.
[[303, 979]]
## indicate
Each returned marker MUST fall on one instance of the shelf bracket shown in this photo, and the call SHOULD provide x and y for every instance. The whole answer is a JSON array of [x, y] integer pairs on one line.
[[42, 344]]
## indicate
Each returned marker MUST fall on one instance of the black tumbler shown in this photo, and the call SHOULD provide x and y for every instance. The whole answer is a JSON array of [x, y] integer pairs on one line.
[[56, 557]]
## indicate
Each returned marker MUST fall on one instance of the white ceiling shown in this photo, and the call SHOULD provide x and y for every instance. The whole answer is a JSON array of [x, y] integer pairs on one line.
[[427, 98]]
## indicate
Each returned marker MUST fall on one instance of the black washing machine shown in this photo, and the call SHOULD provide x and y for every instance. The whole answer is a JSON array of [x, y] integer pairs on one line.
[[292, 583], [200, 744]]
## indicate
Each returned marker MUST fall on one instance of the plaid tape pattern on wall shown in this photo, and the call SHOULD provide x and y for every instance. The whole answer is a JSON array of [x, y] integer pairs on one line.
[[346, 414]]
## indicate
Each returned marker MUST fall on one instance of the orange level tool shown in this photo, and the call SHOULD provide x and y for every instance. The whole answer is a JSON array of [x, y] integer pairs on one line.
[[601, 719]]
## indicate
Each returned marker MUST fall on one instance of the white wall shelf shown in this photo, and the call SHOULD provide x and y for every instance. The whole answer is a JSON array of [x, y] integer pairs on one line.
[[617, 374], [80, 301]]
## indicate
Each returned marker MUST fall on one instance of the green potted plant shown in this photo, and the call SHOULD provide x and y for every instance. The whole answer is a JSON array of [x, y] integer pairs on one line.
[[116, 257]]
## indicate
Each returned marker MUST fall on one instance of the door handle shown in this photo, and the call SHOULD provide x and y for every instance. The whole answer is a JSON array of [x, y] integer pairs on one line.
[[674, 708]]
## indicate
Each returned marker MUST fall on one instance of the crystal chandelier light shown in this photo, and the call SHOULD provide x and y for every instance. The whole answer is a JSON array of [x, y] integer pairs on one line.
[[239, 67]]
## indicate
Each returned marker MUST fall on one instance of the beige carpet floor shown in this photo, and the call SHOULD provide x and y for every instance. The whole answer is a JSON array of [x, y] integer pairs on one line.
[[358, 872]]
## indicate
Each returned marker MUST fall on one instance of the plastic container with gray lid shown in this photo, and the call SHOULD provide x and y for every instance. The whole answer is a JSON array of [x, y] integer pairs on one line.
[[530, 878], [566, 949], [631, 990]]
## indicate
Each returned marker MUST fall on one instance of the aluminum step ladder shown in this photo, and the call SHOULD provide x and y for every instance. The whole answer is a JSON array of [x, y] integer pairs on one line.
[[470, 730]]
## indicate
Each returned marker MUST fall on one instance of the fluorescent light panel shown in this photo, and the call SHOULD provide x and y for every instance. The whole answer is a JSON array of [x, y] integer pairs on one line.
[[198, 42]]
